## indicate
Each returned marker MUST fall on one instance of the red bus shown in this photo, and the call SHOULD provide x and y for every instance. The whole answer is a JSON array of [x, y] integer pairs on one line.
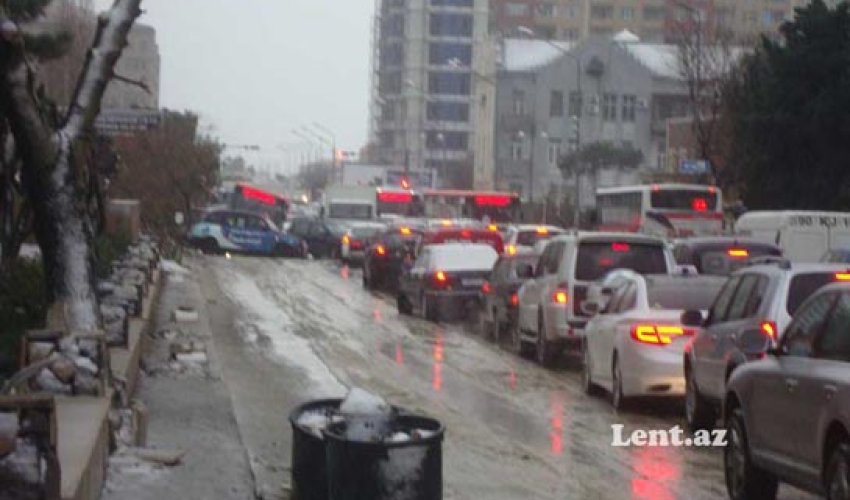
[[479, 205]]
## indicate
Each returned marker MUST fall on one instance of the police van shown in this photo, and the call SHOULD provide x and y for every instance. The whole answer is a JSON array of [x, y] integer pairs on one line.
[[803, 236]]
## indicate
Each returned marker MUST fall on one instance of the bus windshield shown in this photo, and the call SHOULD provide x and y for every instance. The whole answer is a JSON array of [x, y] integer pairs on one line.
[[360, 211], [683, 199]]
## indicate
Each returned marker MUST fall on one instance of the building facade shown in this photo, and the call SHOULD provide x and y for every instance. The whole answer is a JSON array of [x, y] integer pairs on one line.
[[139, 62], [423, 67], [651, 20], [551, 101]]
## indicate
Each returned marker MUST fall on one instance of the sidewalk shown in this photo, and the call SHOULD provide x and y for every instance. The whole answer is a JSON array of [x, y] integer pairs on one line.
[[189, 408]]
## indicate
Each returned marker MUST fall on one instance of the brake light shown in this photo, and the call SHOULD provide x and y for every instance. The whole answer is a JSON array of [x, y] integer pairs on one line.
[[346, 240], [405, 231], [738, 253], [542, 230], [699, 204], [514, 300], [620, 247], [493, 228], [381, 250], [845, 276], [658, 334], [441, 279], [486, 288], [510, 250], [560, 297], [466, 233], [768, 328]]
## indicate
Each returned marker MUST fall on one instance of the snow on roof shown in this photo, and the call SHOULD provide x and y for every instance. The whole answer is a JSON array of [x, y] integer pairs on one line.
[[526, 55], [660, 59], [626, 36]]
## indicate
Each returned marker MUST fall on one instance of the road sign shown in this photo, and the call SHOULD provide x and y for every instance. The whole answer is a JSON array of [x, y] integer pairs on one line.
[[695, 167]]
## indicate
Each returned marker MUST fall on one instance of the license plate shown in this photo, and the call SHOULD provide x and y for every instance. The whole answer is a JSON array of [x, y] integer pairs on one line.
[[472, 282]]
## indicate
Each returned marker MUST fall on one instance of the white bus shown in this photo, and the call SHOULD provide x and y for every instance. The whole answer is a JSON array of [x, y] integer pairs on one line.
[[671, 210]]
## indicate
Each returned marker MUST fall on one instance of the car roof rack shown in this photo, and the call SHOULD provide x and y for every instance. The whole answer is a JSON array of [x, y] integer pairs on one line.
[[782, 262]]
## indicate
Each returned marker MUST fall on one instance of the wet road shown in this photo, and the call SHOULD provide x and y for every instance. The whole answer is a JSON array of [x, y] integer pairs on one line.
[[296, 330]]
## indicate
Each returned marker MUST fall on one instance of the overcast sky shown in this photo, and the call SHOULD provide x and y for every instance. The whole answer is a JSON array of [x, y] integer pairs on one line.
[[256, 69]]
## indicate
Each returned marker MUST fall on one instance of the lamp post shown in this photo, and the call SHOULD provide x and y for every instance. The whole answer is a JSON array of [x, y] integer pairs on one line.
[[575, 118]]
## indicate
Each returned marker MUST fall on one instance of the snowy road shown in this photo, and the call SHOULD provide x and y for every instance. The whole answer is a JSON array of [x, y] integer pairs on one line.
[[290, 330]]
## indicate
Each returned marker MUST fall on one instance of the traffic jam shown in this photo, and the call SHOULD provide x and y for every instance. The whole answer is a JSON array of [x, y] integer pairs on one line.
[[740, 325]]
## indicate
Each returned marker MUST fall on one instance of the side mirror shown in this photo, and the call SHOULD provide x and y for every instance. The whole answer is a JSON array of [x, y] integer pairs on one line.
[[590, 307], [692, 318]]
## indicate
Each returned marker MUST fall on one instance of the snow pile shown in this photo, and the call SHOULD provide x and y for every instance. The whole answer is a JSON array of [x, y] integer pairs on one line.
[[367, 416], [171, 267], [316, 421], [362, 402]]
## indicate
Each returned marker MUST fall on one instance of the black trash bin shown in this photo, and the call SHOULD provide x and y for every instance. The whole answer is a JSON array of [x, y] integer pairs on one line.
[[410, 469], [309, 477]]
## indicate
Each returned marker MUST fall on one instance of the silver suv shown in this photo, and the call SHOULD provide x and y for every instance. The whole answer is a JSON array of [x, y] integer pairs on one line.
[[788, 415], [754, 305], [550, 305]]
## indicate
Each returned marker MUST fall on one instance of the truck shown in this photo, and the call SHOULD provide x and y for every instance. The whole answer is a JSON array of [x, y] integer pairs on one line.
[[350, 203], [803, 236]]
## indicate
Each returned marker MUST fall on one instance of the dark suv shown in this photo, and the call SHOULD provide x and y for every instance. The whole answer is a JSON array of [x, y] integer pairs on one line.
[[754, 305], [323, 237], [500, 301], [386, 255]]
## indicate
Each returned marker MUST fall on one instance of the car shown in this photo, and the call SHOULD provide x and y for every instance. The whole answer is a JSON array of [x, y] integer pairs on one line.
[[451, 233], [385, 256], [224, 230], [721, 255], [787, 415], [550, 305], [633, 344], [760, 299], [446, 278], [323, 236], [499, 299], [355, 240], [526, 236]]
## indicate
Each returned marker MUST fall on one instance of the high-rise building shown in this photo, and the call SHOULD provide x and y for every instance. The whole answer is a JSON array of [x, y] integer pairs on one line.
[[140, 63], [651, 20], [423, 69]]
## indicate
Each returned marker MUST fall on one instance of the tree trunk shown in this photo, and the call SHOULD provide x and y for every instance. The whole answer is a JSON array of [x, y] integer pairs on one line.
[[54, 171]]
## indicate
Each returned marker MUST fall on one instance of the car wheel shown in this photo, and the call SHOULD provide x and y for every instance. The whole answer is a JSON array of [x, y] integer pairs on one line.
[[403, 305], [209, 246], [590, 388], [837, 476], [743, 479], [282, 250], [547, 352], [429, 309], [618, 399], [698, 412]]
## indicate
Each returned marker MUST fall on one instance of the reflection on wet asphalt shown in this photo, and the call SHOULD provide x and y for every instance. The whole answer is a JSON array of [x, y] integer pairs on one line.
[[515, 430]]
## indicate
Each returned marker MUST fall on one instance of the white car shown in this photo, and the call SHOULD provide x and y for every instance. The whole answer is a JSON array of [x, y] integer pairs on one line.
[[525, 237], [634, 346]]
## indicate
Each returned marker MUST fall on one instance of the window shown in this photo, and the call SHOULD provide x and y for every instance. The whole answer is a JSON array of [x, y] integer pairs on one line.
[[595, 259], [452, 3], [717, 313], [390, 83], [653, 13], [682, 199], [448, 83], [556, 103], [448, 111], [570, 12], [803, 286], [738, 309], [514, 9], [575, 104], [806, 323], [554, 151], [609, 107], [518, 101], [453, 25], [601, 12], [543, 263], [628, 13], [453, 141], [546, 9], [440, 53], [834, 342], [629, 105], [555, 257]]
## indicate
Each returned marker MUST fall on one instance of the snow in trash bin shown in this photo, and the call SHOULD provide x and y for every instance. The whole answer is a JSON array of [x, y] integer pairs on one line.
[[399, 437], [315, 421], [362, 402]]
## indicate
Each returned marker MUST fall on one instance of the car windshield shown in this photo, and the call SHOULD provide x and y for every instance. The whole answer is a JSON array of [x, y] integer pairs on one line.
[[683, 199], [803, 285], [595, 259], [684, 293], [724, 261]]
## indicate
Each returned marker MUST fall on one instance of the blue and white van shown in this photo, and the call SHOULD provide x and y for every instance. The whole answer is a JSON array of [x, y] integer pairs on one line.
[[240, 231]]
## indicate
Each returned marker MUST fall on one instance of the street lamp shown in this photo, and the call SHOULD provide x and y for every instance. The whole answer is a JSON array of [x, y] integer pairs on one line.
[[525, 30]]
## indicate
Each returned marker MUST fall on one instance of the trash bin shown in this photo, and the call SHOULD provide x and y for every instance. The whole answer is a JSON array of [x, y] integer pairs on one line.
[[309, 478], [407, 465]]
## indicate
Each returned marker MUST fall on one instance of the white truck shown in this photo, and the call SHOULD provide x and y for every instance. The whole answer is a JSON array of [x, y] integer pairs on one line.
[[803, 236], [350, 203]]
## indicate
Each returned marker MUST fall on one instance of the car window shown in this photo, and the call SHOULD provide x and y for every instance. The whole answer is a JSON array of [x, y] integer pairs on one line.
[[555, 257], [802, 286], [543, 263], [834, 340], [597, 258], [741, 300], [717, 313], [682, 255], [257, 223], [689, 294], [800, 334], [317, 230], [757, 297]]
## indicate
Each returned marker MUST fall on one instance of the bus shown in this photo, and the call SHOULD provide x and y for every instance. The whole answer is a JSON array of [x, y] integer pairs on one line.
[[479, 205], [398, 202], [671, 210]]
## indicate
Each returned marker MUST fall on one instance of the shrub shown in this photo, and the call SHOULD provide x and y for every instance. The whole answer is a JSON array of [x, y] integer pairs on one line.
[[23, 306]]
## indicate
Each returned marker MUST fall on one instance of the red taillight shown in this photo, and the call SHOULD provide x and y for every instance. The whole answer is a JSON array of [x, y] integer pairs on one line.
[[486, 288], [381, 250], [620, 247], [845, 276], [356, 245], [466, 234], [699, 204], [658, 334], [514, 300], [768, 328], [560, 296], [738, 253], [441, 279]]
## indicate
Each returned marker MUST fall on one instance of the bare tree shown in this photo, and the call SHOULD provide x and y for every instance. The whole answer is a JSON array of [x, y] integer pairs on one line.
[[54, 172]]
